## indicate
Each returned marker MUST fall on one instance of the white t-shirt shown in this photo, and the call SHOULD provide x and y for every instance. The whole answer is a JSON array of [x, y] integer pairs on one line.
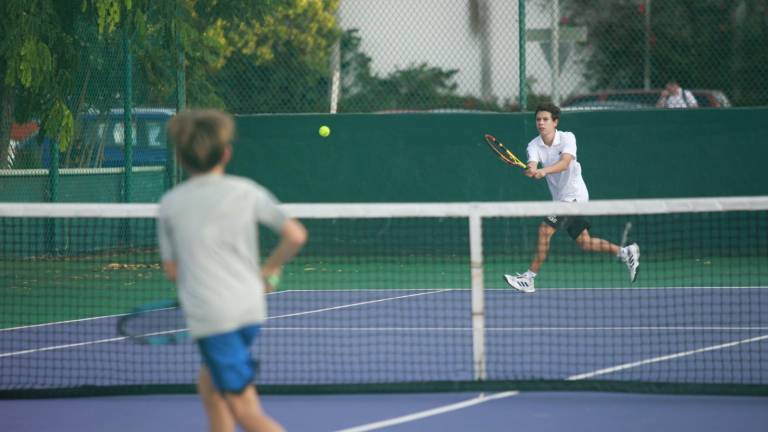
[[208, 226], [681, 99], [566, 185]]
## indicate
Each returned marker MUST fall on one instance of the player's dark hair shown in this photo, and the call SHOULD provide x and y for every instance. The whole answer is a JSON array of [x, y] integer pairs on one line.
[[201, 137], [550, 108]]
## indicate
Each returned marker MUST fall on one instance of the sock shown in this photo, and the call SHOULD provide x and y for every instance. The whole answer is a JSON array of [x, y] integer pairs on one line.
[[530, 274]]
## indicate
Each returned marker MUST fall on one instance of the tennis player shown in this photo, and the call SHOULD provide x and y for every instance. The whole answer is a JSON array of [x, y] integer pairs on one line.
[[207, 229], [556, 151]]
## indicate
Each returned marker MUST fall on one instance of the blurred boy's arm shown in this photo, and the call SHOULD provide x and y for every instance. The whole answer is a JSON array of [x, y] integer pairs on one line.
[[293, 235]]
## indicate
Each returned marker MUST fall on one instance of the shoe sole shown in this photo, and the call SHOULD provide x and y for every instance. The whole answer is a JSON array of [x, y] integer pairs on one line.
[[517, 289], [637, 270]]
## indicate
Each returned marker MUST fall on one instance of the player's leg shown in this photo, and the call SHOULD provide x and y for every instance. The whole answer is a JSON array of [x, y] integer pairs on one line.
[[247, 410], [524, 282], [546, 231], [219, 416], [629, 255], [232, 371], [595, 244]]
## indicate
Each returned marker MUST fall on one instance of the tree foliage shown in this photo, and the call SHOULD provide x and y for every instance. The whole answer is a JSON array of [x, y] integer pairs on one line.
[[67, 57], [60, 57], [36, 66], [716, 44], [416, 87], [279, 62]]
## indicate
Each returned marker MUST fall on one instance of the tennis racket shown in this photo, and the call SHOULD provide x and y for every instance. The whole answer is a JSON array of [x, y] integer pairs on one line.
[[503, 153], [162, 322], [157, 323]]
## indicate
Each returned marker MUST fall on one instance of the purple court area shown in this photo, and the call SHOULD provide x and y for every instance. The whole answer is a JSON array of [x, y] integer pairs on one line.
[[687, 335], [540, 412]]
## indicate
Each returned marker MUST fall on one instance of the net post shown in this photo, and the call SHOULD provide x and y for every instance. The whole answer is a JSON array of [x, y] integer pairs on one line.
[[478, 304]]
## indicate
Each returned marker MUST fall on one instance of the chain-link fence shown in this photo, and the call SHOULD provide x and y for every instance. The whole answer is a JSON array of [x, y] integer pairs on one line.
[[601, 54], [297, 56], [85, 153]]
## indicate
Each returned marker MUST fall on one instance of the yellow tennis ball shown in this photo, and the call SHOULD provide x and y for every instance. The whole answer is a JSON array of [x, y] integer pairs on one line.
[[324, 131]]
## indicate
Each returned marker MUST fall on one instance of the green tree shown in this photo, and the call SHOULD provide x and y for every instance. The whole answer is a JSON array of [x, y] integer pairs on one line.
[[718, 44], [417, 87], [59, 57], [278, 62], [36, 62]]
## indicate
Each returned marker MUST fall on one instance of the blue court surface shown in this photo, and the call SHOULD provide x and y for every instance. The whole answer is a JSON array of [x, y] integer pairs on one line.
[[678, 335], [571, 411], [655, 335]]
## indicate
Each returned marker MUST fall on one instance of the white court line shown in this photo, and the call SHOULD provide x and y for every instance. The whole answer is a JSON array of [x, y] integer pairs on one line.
[[100, 341], [516, 329], [543, 290], [431, 412], [83, 319], [631, 288], [355, 304], [663, 358], [63, 322], [511, 291], [58, 347], [353, 290], [124, 314], [481, 398]]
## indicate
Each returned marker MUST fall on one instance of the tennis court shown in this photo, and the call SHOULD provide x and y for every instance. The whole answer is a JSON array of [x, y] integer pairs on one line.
[[395, 336], [401, 134], [408, 299]]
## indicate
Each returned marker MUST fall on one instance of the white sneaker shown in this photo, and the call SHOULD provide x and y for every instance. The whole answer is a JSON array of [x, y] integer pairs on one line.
[[520, 282], [631, 257]]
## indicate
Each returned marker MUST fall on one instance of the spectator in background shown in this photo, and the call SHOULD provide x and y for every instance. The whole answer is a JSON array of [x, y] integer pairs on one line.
[[674, 96]]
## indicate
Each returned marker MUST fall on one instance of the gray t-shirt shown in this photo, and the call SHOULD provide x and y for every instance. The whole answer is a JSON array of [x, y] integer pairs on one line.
[[208, 226]]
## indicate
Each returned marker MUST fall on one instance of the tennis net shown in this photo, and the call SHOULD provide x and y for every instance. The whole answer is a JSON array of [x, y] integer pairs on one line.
[[409, 297]]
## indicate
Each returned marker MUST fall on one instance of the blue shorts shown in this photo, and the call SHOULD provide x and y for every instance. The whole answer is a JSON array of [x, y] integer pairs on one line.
[[228, 358]]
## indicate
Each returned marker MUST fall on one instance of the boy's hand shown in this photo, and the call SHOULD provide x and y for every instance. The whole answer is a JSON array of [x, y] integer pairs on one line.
[[535, 173], [530, 172], [271, 279]]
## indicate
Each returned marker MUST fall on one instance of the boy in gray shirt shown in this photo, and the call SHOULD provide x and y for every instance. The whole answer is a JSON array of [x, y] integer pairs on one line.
[[207, 230]]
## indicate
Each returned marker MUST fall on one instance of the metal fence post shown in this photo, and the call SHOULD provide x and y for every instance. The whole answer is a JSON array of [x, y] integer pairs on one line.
[[127, 121], [521, 55]]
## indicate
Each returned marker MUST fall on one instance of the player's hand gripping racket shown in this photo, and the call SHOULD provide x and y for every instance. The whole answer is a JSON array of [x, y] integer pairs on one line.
[[271, 282], [157, 323], [503, 153]]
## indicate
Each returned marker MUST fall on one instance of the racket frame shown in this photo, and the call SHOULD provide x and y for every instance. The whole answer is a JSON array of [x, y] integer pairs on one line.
[[166, 337], [503, 153]]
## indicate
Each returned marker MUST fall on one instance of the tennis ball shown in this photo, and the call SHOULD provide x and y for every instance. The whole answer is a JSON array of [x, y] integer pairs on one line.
[[324, 131]]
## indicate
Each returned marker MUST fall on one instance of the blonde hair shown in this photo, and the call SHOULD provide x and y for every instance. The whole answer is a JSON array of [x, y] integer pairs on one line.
[[201, 137]]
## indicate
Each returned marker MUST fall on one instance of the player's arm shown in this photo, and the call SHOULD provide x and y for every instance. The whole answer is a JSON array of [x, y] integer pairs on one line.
[[533, 160], [293, 235], [166, 245], [532, 168], [560, 166], [692, 102]]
